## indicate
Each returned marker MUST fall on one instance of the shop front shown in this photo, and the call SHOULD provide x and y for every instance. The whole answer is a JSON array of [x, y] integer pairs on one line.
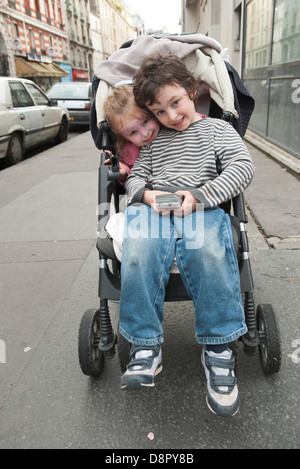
[[44, 74], [68, 69], [80, 75]]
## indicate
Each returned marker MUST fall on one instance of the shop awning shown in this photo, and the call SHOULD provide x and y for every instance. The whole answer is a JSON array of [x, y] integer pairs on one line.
[[25, 69]]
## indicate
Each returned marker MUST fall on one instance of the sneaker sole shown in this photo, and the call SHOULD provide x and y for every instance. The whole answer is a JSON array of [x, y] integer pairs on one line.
[[223, 411], [135, 382]]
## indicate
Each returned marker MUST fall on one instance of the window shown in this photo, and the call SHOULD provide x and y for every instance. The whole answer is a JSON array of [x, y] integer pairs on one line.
[[47, 10], [53, 9], [286, 37], [37, 5], [261, 48], [38, 96], [27, 7], [32, 42], [42, 44], [64, 48], [258, 34], [60, 18], [15, 30], [20, 96]]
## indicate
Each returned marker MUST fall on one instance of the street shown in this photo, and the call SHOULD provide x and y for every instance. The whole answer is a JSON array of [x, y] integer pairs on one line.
[[73, 132], [49, 277]]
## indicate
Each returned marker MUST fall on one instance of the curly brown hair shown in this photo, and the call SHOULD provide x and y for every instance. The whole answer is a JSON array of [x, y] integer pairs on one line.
[[158, 70]]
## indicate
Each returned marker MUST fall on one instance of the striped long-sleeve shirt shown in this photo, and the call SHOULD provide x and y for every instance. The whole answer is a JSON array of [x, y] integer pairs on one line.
[[187, 161]]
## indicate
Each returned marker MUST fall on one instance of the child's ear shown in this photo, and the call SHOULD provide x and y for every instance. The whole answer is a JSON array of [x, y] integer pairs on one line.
[[193, 95]]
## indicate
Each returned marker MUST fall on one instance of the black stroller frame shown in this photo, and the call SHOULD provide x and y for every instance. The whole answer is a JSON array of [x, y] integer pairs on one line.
[[97, 340]]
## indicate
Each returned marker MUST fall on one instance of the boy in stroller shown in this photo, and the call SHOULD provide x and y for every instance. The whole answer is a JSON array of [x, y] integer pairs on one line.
[[228, 99], [182, 159]]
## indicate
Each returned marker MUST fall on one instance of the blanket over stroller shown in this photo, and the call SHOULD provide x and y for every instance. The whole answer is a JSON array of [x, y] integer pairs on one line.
[[200, 53]]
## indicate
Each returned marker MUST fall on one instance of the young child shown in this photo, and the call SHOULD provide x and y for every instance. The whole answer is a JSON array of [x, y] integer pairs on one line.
[[132, 126], [182, 159]]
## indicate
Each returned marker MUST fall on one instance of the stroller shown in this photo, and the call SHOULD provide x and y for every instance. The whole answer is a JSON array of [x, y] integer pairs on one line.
[[97, 340]]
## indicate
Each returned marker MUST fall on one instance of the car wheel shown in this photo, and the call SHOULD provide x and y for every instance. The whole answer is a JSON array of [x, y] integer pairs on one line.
[[62, 135], [15, 150]]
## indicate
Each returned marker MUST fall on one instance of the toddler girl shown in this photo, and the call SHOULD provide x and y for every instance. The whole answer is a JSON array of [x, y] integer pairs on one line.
[[132, 126]]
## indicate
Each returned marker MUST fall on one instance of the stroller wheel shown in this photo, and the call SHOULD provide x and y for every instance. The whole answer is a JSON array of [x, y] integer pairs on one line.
[[269, 339], [123, 352], [91, 358]]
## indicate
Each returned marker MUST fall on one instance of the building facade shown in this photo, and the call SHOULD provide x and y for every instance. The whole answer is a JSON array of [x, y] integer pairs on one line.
[[111, 26], [117, 25], [263, 41], [96, 32], [60, 40], [78, 26], [219, 19], [34, 42]]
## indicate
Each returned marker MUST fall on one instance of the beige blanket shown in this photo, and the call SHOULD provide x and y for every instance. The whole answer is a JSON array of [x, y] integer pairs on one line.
[[201, 55]]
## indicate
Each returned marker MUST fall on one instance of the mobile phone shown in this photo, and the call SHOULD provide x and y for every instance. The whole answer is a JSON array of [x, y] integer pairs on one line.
[[169, 200]]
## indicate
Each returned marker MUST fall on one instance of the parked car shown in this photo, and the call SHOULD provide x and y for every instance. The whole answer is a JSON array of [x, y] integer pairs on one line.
[[76, 97], [28, 118]]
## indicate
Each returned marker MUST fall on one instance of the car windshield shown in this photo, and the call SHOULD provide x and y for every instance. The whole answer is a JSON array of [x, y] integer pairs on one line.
[[72, 91]]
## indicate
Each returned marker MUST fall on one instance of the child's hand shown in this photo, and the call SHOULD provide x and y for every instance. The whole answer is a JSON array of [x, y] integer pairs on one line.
[[123, 172], [108, 162], [149, 199], [122, 169], [188, 206]]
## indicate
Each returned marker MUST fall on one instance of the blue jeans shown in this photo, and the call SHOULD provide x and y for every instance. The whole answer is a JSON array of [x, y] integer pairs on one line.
[[207, 264]]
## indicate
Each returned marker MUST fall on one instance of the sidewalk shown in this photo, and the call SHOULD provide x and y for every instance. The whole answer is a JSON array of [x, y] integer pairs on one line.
[[48, 228], [274, 201]]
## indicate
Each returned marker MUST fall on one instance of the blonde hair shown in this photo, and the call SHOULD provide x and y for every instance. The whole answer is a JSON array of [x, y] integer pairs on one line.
[[119, 107]]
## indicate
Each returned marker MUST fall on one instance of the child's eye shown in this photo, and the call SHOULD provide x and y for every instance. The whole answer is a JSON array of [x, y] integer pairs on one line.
[[133, 133], [175, 103], [146, 121], [160, 113]]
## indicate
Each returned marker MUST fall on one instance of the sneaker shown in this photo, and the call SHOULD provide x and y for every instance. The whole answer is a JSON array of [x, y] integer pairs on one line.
[[144, 365], [222, 392]]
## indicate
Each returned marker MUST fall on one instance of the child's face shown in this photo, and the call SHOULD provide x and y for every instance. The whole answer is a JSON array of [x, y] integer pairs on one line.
[[174, 107], [141, 130]]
